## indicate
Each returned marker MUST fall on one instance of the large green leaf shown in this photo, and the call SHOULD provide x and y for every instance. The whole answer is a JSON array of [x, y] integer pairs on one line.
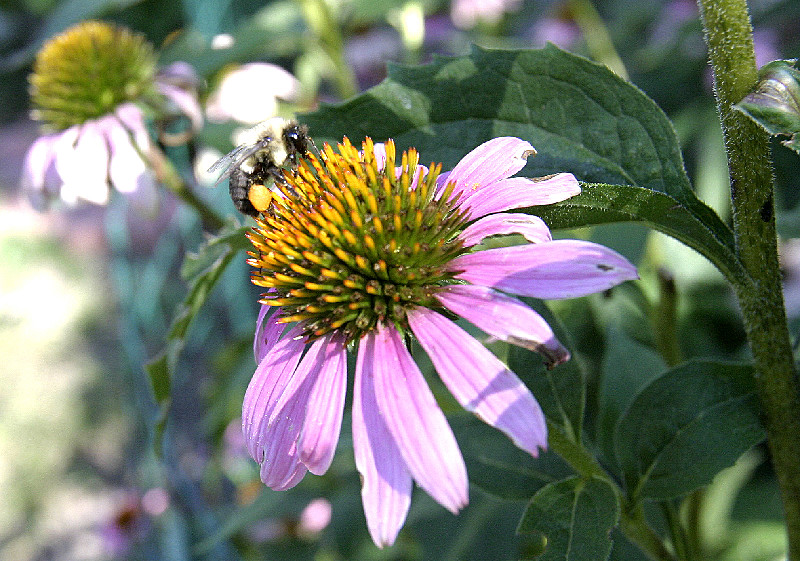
[[604, 204], [497, 466], [580, 116], [685, 426], [627, 366], [576, 515]]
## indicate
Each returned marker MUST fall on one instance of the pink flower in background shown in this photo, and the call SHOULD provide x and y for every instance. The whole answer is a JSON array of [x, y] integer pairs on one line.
[[84, 161], [249, 94], [467, 13], [356, 267], [178, 84], [89, 88]]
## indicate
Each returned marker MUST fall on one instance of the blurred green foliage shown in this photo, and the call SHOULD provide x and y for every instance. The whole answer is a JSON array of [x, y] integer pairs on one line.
[[217, 508]]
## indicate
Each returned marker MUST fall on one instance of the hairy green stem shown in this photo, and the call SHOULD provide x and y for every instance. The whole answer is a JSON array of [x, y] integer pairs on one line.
[[730, 44]]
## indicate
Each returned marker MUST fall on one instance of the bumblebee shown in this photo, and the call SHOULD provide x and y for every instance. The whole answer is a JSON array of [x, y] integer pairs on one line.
[[262, 153]]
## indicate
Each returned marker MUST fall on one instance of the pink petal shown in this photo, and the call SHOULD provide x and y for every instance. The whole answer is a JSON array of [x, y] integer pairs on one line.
[[38, 160], [521, 192], [479, 381], [186, 102], [532, 227], [287, 420], [296, 477], [386, 483], [269, 381], [492, 161], [126, 166], [414, 419], [320, 434], [557, 269], [179, 72], [505, 318], [133, 119], [267, 332], [83, 166]]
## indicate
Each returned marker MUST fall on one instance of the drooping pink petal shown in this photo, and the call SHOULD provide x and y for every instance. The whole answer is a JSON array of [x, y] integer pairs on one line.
[[126, 165], [270, 379], [268, 330], [531, 227], [557, 269], [83, 166], [185, 101], [520, 192], [38, 159], [492, 161], [286, 421], [320, 434], [505, 318], [479, 381], [296, 476], [416, 423], [385, 481], [132, 118]]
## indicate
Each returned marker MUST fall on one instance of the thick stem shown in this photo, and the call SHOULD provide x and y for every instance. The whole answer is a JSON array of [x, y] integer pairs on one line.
[[730, 45]]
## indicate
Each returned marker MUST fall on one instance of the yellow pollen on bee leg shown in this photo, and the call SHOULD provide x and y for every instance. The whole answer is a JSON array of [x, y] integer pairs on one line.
[[260, 197]]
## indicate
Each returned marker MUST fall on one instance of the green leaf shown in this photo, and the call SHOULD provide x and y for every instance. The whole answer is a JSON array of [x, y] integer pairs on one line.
[[627, 366], [201, 270], [604, 204], [775, 102], [576, 515], [580, 116], [685, 426], [560, 391], [497, 466]]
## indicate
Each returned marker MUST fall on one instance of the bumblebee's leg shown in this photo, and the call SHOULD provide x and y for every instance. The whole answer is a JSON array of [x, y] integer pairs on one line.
[[239, 188], [276, 174]]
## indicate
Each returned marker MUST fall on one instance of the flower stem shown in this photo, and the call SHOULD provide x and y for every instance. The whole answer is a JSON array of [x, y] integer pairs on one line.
[[730, 44], [597, 37], [665, 320], [323, 24], [170, 177]]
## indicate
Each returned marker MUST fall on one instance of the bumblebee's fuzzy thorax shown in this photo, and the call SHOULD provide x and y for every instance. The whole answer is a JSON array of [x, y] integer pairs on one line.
[[263, 152]]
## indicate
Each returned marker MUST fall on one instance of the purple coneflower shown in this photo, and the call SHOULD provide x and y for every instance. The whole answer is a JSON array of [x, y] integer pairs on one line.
[[88, 89], [360, 255]]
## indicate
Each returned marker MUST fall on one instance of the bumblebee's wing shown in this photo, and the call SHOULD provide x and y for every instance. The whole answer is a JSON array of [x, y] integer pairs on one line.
[[235, 158]]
